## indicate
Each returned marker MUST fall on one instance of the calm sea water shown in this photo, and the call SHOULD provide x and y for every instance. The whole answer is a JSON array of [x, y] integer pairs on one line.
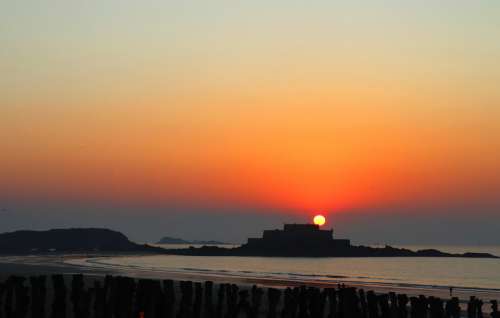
[[399, 271]]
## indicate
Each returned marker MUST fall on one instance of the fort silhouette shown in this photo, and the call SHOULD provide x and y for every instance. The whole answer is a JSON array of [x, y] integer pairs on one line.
[[301, 238]]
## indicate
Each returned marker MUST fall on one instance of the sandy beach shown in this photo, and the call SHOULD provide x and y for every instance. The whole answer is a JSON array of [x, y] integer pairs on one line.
[[85, 264]]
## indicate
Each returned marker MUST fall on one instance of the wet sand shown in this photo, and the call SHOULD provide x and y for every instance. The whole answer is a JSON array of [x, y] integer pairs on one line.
[[85, 264]]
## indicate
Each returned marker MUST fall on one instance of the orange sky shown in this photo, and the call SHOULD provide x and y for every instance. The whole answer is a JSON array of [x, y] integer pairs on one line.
[[296, 110]]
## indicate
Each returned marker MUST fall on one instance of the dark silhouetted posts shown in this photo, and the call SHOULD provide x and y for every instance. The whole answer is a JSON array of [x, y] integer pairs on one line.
[[402, 311], [232, 300], [9, 296], [86, 301], [99, 300], [118, 295], [372, 302], [257, 294], [243, 304], [471, 307], [219, 310], [348, 303], [149, 298], [332, 302], [452, 308], [108, 296], [124, 289], [140, 298], [185, 306], [77, 295], [208, 306], [316, 302], [169, 294], [59, 301], [303, 305], [121, 297], [110, 285], [38, 296], [273, 296], [413, 307], [422, 307], [289, 303], [341, 313], [157, 298], [363, 308], [385, 311], [198, 300], [494, 309], [393, 307], [2, 293], [479, 308], [323, 301], [22, 299], [436, 307]]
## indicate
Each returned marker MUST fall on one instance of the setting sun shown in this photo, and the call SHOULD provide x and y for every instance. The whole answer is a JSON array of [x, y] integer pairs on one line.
[[319, 220]]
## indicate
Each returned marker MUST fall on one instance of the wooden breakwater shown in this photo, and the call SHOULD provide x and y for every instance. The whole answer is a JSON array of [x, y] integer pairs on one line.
[[125, 297]]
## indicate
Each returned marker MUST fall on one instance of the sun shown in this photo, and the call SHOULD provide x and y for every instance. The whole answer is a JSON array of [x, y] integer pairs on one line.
[[319, 220]]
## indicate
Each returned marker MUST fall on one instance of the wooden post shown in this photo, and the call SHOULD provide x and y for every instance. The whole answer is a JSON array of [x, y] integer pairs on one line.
[[198, 298], [169, 294], [219, 310], [257, 294], [273, 299], [59, 302], [208, 311]]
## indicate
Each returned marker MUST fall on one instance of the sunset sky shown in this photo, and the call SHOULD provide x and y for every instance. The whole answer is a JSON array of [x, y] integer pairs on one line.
[[167, 117]]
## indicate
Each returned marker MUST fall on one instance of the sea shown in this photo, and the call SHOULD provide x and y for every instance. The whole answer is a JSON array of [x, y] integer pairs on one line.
[[466, 275]]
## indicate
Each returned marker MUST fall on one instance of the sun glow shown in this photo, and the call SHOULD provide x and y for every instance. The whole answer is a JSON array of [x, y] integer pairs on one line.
[[319, 220]]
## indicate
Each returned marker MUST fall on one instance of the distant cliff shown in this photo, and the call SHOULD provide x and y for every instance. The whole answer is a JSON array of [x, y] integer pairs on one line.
[[68, 240], [173, 240]]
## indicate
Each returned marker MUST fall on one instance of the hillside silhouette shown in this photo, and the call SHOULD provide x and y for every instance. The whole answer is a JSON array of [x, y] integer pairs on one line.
[[68, 240]]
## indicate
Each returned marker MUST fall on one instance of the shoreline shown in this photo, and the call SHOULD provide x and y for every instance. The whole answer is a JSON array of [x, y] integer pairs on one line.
[[266, 285], [89, 264]]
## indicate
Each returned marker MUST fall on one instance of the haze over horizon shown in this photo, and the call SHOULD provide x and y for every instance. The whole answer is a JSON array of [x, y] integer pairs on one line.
[[216, 120]]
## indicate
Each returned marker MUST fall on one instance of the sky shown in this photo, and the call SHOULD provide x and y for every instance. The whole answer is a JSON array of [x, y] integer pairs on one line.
[[218, 119]]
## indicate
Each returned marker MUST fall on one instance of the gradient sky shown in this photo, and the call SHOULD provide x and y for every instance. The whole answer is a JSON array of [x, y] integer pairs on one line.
[[189, 117]]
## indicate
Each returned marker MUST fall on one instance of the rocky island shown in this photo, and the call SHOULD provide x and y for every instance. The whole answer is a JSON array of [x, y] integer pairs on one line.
[[308, 240]]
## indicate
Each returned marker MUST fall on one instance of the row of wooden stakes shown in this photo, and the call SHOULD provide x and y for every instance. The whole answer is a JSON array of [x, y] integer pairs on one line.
[[125, 297]]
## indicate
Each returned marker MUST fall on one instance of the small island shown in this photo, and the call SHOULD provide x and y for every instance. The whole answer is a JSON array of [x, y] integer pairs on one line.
[[308, 240]]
